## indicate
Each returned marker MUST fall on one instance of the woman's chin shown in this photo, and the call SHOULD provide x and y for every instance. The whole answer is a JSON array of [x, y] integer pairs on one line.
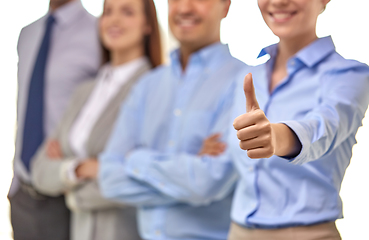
[[114, 46], [284, 33]]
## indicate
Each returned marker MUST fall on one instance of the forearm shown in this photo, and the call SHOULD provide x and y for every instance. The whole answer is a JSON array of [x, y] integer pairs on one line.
[[117, 186], [187, 178], [320, 134], [88, 197], [49, 177]]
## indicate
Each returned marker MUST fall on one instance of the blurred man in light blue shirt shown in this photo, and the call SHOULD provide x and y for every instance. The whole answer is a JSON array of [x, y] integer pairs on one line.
[[152, 159]]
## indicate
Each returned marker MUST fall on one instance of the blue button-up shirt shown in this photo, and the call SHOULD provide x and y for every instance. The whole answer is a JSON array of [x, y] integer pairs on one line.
[[323, 100], [151, 160]]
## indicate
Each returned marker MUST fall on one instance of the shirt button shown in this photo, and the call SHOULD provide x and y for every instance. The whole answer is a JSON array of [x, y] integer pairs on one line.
[[292, 62], [251, 169], [136, 171], [177, 112], [171, 143], [157, 232]]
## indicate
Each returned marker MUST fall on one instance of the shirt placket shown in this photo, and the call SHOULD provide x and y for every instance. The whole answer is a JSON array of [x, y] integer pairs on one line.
[[185, 87], [157, 231], [293, 67]]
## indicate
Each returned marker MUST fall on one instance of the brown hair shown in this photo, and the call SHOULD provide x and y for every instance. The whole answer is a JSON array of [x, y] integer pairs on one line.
[[152, 41]]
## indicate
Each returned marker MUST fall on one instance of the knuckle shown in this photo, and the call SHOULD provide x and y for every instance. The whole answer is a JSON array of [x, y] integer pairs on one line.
[[267, 126], [259, 113], [269, 152], [259, 128], [237, 122], [242, 145], [250, 154], [266, 141], [267, 130], [239, 134]]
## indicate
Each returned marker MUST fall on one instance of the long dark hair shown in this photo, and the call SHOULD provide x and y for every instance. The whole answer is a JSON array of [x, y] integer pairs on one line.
[[152, 41]]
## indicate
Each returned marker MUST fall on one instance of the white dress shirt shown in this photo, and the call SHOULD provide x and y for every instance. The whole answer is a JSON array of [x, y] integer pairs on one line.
[[109, 81], [74, 57]]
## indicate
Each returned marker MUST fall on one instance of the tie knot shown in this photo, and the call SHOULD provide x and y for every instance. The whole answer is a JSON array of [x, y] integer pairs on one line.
[[50, 20]]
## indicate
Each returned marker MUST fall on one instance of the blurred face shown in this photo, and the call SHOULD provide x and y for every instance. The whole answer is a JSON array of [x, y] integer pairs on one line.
[[57, 3], [197, 22], [292, 18], [123, 24]]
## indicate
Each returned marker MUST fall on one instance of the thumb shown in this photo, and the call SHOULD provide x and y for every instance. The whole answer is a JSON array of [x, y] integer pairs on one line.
[[248, 87]]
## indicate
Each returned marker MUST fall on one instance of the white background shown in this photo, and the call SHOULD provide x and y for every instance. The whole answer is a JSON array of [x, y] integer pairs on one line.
[[246, 33]]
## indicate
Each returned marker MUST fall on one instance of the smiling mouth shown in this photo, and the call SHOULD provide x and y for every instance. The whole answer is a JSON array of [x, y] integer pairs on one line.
[[115, 32], [187, 23], [282, 17]]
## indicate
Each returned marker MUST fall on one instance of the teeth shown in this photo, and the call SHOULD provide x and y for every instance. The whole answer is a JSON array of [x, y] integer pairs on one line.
[[281, 16], [187, 23], [114, 31]]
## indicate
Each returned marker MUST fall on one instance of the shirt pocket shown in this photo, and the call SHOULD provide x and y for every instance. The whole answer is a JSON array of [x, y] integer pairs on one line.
[[196, 129]]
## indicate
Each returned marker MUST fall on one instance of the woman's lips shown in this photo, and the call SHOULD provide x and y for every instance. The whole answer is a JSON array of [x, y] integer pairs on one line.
[[282, 17], [115, 32]]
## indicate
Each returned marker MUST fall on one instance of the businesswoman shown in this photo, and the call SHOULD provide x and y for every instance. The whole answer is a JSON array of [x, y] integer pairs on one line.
[[303, 109], [66, 163]]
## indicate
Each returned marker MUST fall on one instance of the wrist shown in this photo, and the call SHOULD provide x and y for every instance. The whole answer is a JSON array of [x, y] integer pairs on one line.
[[77, 171], [87, 169], [68, 175], [286, 142]]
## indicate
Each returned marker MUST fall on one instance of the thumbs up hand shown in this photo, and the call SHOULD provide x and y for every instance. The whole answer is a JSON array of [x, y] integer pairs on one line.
[[254, 130]]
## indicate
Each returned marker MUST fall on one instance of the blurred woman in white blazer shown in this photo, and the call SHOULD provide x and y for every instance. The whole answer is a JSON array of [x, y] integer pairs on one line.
[[67, 162]]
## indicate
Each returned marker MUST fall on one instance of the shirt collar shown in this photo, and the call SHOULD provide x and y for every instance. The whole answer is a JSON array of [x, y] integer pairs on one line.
[[316, 51], [310, 55], [270, 50], [122, 72], [207, 57], [67, 14]]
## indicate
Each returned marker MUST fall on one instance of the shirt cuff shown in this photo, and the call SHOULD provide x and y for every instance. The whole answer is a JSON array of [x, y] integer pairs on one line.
[[68, 172], [137, 163], [300, 132], [71, 201]]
